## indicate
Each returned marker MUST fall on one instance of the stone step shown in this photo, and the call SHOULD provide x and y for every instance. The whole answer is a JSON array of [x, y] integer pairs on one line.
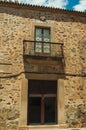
[[42, 128]]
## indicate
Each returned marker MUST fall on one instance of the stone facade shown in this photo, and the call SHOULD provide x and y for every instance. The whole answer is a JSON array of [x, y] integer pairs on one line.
[[17, 23]]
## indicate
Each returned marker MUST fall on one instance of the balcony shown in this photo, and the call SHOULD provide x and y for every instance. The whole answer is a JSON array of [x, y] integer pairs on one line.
[[42, 50], [43, 57]]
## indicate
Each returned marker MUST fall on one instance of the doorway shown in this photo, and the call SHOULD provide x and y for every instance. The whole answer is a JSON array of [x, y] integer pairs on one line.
[[42, 102]]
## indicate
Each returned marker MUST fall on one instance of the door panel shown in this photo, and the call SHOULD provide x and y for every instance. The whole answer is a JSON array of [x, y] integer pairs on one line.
[[34, 110], [49, 109]]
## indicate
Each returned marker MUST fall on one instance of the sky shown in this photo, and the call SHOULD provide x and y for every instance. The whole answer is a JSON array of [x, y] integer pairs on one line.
[[77, 5]]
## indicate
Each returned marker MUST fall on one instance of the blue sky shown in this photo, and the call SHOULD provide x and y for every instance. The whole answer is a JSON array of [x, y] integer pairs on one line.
[[78, 5], [71, 4]]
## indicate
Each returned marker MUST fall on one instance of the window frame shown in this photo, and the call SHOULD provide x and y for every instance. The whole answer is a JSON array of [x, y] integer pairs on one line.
[[42, 52]]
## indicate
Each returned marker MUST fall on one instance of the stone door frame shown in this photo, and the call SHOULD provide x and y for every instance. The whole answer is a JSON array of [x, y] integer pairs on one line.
[[24, 96]]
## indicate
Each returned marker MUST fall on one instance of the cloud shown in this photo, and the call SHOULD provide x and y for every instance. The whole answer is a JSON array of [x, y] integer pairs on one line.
[[81, 6], [34, 2], [57, 3], [49, 3]]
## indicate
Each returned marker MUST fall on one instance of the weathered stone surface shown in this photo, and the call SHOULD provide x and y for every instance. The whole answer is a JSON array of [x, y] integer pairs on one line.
[[17, 25], [5, 68]]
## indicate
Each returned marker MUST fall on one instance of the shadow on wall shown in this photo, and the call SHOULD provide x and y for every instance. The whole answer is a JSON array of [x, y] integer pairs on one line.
[[82, 53], [43, 66]]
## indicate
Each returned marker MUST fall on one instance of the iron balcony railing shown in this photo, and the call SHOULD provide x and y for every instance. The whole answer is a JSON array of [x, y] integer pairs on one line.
[[40, 48]]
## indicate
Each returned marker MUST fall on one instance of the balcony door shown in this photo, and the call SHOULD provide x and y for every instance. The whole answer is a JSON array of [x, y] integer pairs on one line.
[[42, 35], [42, 102]]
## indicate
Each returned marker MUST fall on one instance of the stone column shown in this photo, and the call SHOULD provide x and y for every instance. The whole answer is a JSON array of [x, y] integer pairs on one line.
[[61, 99], [24, 100]]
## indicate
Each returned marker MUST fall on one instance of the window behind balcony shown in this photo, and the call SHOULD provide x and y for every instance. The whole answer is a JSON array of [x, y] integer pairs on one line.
[[42, 35]]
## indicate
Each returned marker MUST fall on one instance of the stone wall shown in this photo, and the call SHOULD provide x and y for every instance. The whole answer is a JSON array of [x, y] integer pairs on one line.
[[17, 25], [10, 102]]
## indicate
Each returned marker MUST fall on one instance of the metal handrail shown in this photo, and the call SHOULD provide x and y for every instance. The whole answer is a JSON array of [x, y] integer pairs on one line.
[[27, 42], [42, 42]]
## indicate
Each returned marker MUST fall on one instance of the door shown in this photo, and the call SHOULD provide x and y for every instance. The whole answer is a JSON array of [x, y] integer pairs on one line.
[[42, 102]]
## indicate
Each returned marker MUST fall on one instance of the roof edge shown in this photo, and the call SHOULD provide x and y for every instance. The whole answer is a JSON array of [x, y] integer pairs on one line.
[[16, 4]]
